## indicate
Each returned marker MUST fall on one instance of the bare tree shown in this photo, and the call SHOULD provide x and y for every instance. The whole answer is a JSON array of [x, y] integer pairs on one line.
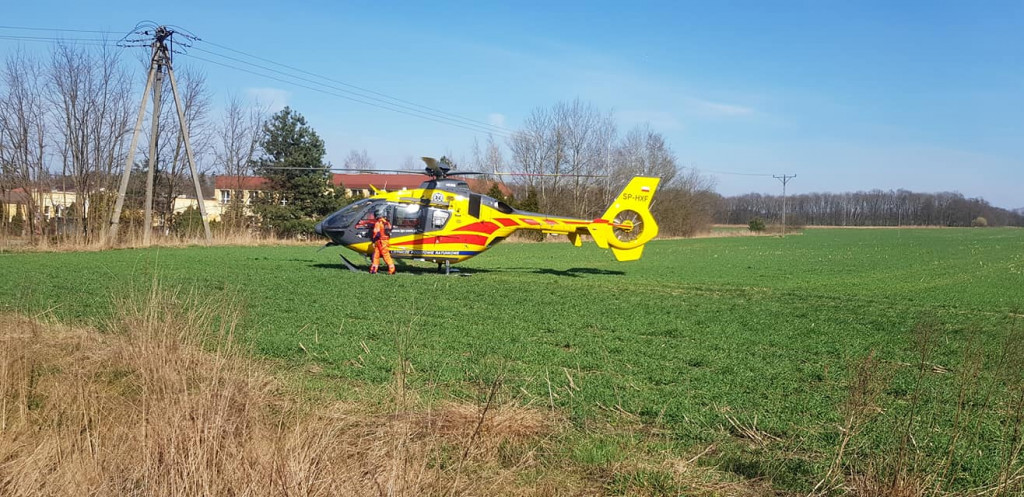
[[586, 137], [871, 208], [23, 116], [529, 147], [644, 152], [559, 150], [359, 160], [478, 158], [92, 105], [173, 178], [240, 135], [493, 160], [412, 163], [685, 203], [6, 179]]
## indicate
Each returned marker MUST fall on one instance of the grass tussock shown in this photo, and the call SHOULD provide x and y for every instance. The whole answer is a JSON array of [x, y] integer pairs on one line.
[[988, 417], [159, 405]]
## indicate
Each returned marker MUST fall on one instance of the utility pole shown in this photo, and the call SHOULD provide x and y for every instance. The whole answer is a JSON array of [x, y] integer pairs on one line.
[[160, 63], [154, 136], [784, 179]]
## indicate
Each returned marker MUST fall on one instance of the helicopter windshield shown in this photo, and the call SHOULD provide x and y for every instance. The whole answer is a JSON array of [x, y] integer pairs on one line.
[[348, 214]]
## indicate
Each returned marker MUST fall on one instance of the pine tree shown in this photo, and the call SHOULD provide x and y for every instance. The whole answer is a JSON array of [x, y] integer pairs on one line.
[[300, 188], [17, 225], [531, 204], [532, 201], [496, 193]]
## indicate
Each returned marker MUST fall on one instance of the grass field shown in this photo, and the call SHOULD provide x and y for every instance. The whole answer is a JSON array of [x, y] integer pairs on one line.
[[749, 352]]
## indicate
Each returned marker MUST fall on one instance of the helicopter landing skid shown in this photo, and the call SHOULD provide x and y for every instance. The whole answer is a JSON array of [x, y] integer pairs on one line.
[[348, 264], [446, 268]]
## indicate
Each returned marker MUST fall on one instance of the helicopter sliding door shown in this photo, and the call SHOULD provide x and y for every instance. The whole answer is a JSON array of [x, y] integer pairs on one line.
[[407, 219]]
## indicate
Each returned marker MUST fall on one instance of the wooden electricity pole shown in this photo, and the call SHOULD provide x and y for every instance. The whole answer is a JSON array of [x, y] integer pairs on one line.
[[784, 179], [160, 62]]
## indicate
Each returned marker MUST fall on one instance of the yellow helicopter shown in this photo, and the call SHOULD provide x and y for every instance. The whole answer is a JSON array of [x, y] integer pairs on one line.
[[444, 222]]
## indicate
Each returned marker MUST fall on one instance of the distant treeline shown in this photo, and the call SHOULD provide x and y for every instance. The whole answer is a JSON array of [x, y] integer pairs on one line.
[[872, 208]]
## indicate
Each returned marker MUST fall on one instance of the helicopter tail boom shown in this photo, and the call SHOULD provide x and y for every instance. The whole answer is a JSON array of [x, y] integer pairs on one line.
[[628, 224]]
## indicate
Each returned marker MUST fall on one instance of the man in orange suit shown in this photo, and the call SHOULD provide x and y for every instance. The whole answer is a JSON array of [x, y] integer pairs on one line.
[[381, 243]]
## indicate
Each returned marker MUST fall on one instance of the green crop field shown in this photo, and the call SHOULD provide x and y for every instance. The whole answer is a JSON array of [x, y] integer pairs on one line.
[[740, 348]]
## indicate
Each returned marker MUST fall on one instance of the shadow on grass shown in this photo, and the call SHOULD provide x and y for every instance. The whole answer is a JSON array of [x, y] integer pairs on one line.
[[576, 272], [579, 272]]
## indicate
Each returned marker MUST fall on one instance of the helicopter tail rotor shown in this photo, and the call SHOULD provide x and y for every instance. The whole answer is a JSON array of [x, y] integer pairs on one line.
[[628, 224]]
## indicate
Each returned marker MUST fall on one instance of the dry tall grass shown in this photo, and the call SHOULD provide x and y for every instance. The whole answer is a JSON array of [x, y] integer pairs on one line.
[[164, 401], [160, 406], [134, 239]]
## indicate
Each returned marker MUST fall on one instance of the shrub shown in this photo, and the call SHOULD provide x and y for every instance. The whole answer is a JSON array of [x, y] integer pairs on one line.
[[17, 224], [979, 222], [756, 225]]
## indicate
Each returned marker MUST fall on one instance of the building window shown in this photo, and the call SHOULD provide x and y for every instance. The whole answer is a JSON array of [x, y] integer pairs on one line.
[[252, 196], [225, 196]]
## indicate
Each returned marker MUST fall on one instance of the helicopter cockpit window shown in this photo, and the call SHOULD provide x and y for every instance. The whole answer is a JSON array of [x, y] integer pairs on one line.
[[367, 220], [369, 215]]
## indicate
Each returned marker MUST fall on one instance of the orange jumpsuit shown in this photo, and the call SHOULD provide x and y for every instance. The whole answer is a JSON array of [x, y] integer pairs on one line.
[[381, 246]]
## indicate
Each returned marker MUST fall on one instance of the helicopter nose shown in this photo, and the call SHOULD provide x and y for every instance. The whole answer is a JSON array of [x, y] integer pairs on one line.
[[319, 228]]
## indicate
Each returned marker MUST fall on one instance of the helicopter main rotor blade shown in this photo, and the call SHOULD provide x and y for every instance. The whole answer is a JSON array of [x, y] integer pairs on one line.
[[549, 175], [432, 164], [357, 170]]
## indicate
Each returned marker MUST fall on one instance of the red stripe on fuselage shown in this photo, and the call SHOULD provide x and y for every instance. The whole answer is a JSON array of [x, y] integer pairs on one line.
[[481, 227], [507, 221], [531, 222], [431, 240]]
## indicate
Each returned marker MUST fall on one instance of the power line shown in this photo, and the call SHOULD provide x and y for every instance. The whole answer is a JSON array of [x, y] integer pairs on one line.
[[498, 129], [725, 172], [326, 92], [26, 28], [392, 106], [403, 106], [83, 41]]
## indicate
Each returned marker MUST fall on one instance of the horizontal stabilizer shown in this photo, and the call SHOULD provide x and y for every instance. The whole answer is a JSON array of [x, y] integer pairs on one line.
[[632, 254]]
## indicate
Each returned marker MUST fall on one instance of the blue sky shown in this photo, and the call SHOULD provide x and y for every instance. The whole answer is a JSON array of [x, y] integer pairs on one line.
[[926, 96]]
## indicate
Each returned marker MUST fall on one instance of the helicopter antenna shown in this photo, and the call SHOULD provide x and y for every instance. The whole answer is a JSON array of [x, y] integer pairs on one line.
[[161, 40]]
